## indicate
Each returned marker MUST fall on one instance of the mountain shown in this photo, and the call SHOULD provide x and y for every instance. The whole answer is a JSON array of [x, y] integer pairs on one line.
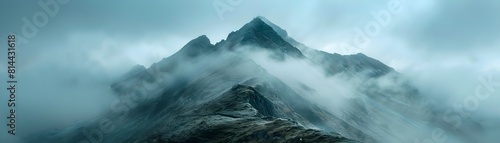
[[258, 85], [258, 33]]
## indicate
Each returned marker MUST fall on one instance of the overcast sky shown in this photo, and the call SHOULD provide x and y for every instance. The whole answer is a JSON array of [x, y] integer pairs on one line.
[[443, 45]]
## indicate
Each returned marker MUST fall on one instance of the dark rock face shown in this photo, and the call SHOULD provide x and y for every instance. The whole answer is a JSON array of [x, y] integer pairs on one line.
[[259, 34]]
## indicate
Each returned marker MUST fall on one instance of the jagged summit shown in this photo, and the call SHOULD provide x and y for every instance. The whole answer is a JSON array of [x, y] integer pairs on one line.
[[259, 33], [196, 46], [282, 32]]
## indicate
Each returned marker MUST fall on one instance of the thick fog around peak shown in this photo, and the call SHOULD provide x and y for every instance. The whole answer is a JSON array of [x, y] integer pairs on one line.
[[301, 74], [344, 93]]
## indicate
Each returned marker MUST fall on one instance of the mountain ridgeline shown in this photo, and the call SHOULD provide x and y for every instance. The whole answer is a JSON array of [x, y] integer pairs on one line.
[[223, 92]]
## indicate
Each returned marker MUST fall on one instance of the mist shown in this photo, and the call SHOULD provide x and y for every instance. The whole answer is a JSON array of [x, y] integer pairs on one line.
[[435, 95], [69, 82]]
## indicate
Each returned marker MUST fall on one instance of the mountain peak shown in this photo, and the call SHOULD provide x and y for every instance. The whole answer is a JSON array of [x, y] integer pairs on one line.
[[258, 20], [275, 27], [258, 33], [196, 46], [257, 25], [199, 41]]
